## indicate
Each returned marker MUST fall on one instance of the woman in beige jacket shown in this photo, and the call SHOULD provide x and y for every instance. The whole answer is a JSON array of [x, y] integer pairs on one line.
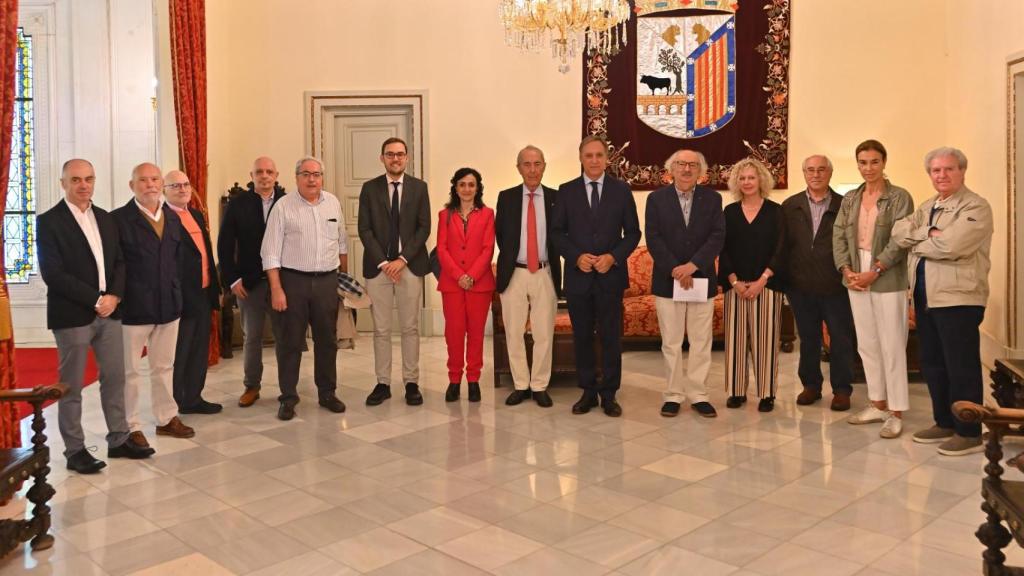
[[874, 271]]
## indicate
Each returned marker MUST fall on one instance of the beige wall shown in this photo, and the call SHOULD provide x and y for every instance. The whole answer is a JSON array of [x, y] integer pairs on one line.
[[860, 69], [487, 100], [980, 38]]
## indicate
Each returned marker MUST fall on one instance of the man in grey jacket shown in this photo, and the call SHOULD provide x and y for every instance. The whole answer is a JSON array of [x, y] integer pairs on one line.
[[949, 238]]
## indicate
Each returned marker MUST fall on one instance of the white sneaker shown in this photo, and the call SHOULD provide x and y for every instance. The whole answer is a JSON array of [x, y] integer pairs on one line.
[[892, 428], [868, 415]]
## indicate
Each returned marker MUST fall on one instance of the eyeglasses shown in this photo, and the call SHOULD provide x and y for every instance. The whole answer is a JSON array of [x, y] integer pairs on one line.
[[818, 170], [305, 174], [393, 155], [690, 165], [179, 186]]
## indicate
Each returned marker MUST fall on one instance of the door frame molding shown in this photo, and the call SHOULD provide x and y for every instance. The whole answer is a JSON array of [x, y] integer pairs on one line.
[[318, 104], [1014, 71]]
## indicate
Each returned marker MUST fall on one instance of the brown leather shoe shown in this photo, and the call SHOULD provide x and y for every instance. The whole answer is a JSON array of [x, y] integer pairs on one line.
[[840, 402], [139, 439], [808, 397], [249, 397], [176, 429]]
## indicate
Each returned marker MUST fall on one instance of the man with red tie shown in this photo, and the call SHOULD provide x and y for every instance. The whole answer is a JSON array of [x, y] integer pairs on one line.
[[529, 276]]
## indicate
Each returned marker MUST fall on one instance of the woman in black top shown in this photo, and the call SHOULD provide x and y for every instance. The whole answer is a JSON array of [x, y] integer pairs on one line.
[[753, 293]]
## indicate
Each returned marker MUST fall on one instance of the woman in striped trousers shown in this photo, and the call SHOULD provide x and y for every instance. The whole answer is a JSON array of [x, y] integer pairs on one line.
[[753, 292]]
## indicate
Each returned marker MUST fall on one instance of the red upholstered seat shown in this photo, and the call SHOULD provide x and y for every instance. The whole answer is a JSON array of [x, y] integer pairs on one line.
[[639, 316]]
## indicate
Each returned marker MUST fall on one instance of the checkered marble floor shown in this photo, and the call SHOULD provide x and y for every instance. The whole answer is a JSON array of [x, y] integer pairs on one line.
[[461, 489]]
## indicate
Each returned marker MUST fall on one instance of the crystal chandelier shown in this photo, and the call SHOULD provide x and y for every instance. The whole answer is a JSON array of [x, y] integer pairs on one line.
[[601, 23]]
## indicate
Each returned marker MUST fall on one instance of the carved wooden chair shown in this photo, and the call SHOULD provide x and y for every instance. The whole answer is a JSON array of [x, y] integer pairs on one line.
[[1002, 500], [18, 464]]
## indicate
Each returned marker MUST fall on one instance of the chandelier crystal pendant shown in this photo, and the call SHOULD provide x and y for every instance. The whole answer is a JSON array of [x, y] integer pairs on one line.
[[600, 23]]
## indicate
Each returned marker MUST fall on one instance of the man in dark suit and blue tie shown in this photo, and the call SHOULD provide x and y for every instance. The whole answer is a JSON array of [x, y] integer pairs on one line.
[[595, 229], [685, 233]]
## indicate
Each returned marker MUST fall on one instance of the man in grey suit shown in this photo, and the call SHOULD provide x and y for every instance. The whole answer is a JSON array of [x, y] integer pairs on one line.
[[394, 223]]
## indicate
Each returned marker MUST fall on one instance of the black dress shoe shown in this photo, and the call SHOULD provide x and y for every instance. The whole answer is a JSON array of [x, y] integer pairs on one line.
[[286, 411], [333, 404], [584, 404], [543, 399], [735, 401], [705, 409], [452, 393], [83, 463], [611, 407], [381, 392], [766, 404], [130, 450], [474, 392], [412, 394], [516, 397], [670, 409], [203, 407]]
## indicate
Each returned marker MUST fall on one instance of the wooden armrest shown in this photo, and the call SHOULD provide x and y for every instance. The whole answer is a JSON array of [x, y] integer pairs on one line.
[[971, 413], [36, 395]]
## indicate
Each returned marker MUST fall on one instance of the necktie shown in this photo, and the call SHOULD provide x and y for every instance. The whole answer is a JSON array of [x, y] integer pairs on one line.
[[532, 253], [594, 199], [393, 233]]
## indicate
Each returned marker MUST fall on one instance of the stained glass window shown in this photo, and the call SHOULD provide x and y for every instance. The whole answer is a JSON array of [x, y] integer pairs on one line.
[[20, 214]]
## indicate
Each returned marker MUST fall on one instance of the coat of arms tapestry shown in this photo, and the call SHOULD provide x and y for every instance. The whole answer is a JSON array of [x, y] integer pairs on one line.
[[708, 75]]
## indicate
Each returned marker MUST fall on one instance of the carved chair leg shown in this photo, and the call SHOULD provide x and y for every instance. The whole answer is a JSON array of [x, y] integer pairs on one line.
[[995, 537], [41, 491], [39, 494]]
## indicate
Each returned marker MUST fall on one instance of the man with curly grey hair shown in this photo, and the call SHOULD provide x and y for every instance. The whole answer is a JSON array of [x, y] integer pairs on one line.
[[685, 231]]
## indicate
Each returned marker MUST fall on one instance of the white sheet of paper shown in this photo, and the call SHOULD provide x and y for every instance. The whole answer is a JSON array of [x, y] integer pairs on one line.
[[699, 292]]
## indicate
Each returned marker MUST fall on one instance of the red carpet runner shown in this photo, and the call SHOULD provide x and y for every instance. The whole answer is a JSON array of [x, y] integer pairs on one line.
[[37, 366]]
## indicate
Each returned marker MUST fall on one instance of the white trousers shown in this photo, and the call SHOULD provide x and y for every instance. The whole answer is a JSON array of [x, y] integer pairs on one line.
[[880, 319], [692, 320], [160, 341], [530, 296]]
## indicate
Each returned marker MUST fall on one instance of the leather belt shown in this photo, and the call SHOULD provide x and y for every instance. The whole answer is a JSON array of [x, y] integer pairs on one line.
[[312, 274], [527, 266]]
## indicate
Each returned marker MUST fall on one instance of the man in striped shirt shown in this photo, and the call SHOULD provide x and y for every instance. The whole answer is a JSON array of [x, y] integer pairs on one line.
[[303, 248]]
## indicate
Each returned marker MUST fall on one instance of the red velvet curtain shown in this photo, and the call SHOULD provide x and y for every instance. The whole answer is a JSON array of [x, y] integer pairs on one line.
[[188, 59], [9, 425]]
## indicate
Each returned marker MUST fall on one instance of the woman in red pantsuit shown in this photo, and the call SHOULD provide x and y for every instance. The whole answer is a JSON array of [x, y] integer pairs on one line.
[[465, 245]]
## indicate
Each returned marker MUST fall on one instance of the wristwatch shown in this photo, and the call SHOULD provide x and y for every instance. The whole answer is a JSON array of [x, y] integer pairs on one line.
[[877, 270]]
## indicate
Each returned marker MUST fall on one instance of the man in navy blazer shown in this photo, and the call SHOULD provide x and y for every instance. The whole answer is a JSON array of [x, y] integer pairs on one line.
[[685, 233], [595, 229], [151, 235]]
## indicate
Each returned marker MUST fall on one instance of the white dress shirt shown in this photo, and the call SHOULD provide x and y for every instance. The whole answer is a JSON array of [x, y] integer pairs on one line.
[[159, 210], [87, 222], [542, 225], [305, 236]]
